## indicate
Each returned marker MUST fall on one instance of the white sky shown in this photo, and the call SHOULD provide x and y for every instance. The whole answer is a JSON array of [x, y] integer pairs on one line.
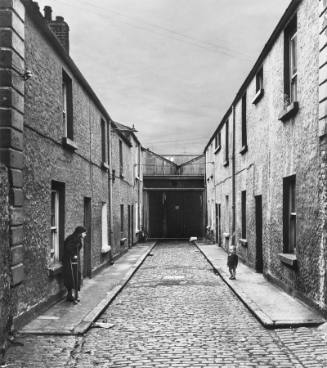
[[170, 67]]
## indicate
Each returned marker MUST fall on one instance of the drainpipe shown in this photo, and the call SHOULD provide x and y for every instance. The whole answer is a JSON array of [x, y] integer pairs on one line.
[[233, 179], [110, 191]]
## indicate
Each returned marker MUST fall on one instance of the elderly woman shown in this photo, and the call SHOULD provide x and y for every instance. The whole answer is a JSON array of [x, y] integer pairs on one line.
[[71, 266]]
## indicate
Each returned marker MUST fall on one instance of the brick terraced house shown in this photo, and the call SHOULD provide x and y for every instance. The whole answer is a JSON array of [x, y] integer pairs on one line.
[[64, 163], [266, 161]]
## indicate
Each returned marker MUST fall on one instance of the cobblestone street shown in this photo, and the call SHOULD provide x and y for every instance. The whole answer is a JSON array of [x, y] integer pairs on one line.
[[176, 312]]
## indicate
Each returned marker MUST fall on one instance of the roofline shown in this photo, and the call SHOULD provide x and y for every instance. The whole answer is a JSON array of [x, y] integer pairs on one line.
[[193, 159], [286, 17], [163, 158], [122, 136], [33, 11]]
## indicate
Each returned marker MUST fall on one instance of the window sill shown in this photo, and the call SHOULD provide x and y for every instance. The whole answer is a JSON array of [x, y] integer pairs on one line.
[[226, 235], [217, 149], [226, 163], [105, 249], [69, 144], [243, 242], [289, 259], [55, 269], [289, 112], [104, 166], [258, 96], [244, 149]]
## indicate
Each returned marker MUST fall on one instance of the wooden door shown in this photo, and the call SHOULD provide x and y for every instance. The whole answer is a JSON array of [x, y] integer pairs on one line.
[[258, 225]]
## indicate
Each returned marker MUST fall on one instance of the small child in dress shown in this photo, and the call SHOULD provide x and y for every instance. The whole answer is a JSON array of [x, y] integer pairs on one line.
[[232, 261]]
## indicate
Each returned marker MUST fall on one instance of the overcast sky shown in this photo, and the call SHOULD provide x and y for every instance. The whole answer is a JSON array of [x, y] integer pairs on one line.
[[170, 67]]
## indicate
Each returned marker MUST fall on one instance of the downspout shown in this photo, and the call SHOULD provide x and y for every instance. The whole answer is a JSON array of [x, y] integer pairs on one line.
[[110, 190], [233, 178]]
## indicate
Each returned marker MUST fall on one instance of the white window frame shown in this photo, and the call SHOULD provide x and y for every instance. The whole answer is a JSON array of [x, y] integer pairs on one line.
[[104, 225], [293, 66], [55, 226], [136, 207], [64, 106]]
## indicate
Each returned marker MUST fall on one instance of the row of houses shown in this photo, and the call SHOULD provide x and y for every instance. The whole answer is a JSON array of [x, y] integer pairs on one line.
[[266, 160], [64, 163]]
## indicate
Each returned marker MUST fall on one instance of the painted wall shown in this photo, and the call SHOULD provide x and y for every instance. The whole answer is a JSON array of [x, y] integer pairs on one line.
[[277, 150]]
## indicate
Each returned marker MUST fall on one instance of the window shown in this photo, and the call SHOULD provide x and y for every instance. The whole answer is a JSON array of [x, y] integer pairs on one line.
[[217, 141], [243, 209], [55, 224], [244, 129], [290, 62], [57, 220], [227, 213], [122, 219], [259, 80], [105, 141], [121, 163], [259, 91], [67, 106], [137, 225], [289, 215], [226, 143], [104, 225], [137, 162]]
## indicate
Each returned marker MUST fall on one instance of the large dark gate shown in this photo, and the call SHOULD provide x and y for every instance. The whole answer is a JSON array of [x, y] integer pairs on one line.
[[173, 187], [175, 214]]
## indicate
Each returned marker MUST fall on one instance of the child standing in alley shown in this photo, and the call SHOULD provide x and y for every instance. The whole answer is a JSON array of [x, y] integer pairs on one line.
[[232, 261]]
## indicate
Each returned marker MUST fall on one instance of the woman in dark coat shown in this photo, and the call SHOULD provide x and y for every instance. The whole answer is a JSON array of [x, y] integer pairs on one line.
[[71, 264]]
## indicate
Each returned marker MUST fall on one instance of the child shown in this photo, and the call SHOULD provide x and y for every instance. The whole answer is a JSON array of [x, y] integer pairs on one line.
[[232, 261]]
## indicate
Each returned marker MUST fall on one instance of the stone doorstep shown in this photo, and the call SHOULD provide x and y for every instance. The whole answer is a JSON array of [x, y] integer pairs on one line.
[[263, 318], [93, 314]]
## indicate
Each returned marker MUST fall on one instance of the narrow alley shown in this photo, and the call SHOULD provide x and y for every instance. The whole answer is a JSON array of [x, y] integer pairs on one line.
[[175, 312]]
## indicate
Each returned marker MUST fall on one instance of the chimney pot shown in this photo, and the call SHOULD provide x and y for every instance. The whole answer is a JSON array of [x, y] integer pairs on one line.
[[59, 18], [48, 13]]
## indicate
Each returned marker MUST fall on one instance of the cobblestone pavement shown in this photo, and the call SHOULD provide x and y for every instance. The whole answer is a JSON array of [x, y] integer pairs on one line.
[[175, 312]]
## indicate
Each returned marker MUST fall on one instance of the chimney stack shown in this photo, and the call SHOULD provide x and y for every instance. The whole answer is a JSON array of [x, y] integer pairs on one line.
[[58, 26], [48, 13]]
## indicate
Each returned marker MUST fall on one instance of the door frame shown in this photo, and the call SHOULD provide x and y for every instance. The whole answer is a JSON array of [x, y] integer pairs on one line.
[[87, 256]]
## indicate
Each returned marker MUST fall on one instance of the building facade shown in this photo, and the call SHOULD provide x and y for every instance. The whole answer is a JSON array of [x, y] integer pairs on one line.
[[58, 148], [266, 161], [127, 187], [173, 195]]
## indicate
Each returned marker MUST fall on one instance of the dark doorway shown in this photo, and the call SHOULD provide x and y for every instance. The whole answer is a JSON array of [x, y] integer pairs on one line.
[[218, 224], [258, 226], [132, 225], [193, 214], [129, 225], [87, 240], [156, 214], [175, 214]]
